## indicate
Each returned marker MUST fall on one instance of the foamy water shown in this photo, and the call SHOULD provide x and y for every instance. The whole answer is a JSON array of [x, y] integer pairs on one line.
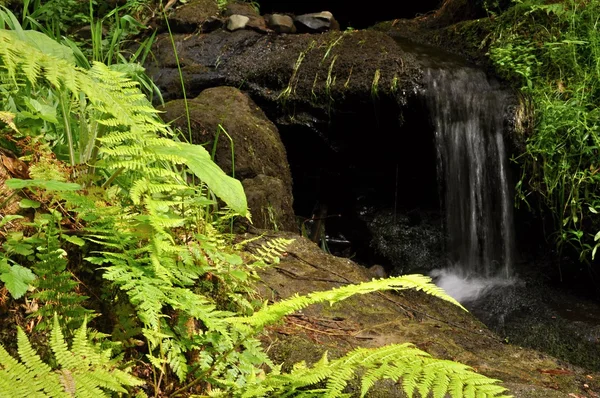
[[465, 288]]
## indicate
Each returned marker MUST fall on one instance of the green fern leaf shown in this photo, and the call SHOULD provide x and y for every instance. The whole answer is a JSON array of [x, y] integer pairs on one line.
[[86, 373], [278, 310]]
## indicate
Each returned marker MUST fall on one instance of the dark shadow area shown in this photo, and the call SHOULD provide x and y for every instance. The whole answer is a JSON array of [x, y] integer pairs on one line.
[[366, 160]]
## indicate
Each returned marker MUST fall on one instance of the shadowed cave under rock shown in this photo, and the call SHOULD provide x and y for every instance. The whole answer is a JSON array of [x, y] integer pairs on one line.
[[367, 177]]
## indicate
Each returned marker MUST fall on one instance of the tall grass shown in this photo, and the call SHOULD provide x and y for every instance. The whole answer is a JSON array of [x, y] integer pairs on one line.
[[553, 51]]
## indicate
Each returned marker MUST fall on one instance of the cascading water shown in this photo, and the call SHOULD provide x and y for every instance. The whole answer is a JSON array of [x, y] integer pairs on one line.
[[467, 114]]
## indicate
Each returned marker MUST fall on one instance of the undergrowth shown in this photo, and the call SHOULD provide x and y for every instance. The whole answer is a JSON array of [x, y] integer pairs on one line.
[[553, 51]]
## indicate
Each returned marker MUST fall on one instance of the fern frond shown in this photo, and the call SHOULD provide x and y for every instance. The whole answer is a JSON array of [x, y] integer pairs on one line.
[[9, 119], [275, 312], [417, 370], [84, 372], [268, 252]]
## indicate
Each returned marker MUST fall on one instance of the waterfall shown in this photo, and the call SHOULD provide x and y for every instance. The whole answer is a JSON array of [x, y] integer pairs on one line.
[[467, 114]]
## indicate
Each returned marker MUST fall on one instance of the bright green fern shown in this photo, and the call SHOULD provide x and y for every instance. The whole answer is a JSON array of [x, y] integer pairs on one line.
[[82, 371], [417, 371]]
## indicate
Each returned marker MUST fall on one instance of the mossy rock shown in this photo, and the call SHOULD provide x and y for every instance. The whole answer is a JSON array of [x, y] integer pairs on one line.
[[254, 154], [373, 320]]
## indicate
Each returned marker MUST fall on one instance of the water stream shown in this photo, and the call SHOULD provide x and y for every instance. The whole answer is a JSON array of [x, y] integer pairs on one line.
[[467, 112], [468, 116]]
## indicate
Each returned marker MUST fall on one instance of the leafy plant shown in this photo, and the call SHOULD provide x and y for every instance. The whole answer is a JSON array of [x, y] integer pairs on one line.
[[84, 370], [553, 52], [418, 372], [121, 120]]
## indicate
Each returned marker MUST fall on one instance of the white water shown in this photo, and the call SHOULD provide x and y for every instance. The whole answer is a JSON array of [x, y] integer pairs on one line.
[[468, 288], [467, 114]]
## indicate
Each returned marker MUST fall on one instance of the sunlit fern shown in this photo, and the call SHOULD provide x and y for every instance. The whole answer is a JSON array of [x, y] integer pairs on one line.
[[83, 370]]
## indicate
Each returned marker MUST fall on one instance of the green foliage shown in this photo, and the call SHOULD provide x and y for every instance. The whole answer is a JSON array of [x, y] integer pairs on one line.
[[54, 16], [553, 51], [418, 372], [269, 251], [121, 121], [16, 278], [38, 263], [278, 310], [81, 371], [55, 288]]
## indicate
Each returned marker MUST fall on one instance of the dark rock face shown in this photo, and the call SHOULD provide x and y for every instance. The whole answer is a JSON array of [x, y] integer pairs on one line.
[[259, 156], [307, 73], [358, 83], [408, 241]]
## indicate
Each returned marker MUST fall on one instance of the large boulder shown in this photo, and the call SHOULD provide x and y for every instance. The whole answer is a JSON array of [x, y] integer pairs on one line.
[[248, 147]]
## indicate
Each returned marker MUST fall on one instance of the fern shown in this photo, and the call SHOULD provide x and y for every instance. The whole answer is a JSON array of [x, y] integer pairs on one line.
[[9, 119], [270, 251], [415, 368], [273, 313], [84, 370], [132, 137], [55, 287]]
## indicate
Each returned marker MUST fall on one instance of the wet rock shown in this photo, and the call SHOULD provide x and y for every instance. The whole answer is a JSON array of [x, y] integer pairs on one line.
[[316, 22], [407, 241], [195, 15], [236, 22], [259, 158], [281, 23]]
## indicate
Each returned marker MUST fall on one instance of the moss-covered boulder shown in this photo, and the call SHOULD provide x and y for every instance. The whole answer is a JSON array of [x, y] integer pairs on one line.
[[246, 145], [195, 15]]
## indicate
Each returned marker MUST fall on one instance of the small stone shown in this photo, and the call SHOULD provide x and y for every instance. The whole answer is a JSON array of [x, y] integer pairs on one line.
[[237, 22], [258, 24], [281, 23], [377, 271], [316, 22]]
